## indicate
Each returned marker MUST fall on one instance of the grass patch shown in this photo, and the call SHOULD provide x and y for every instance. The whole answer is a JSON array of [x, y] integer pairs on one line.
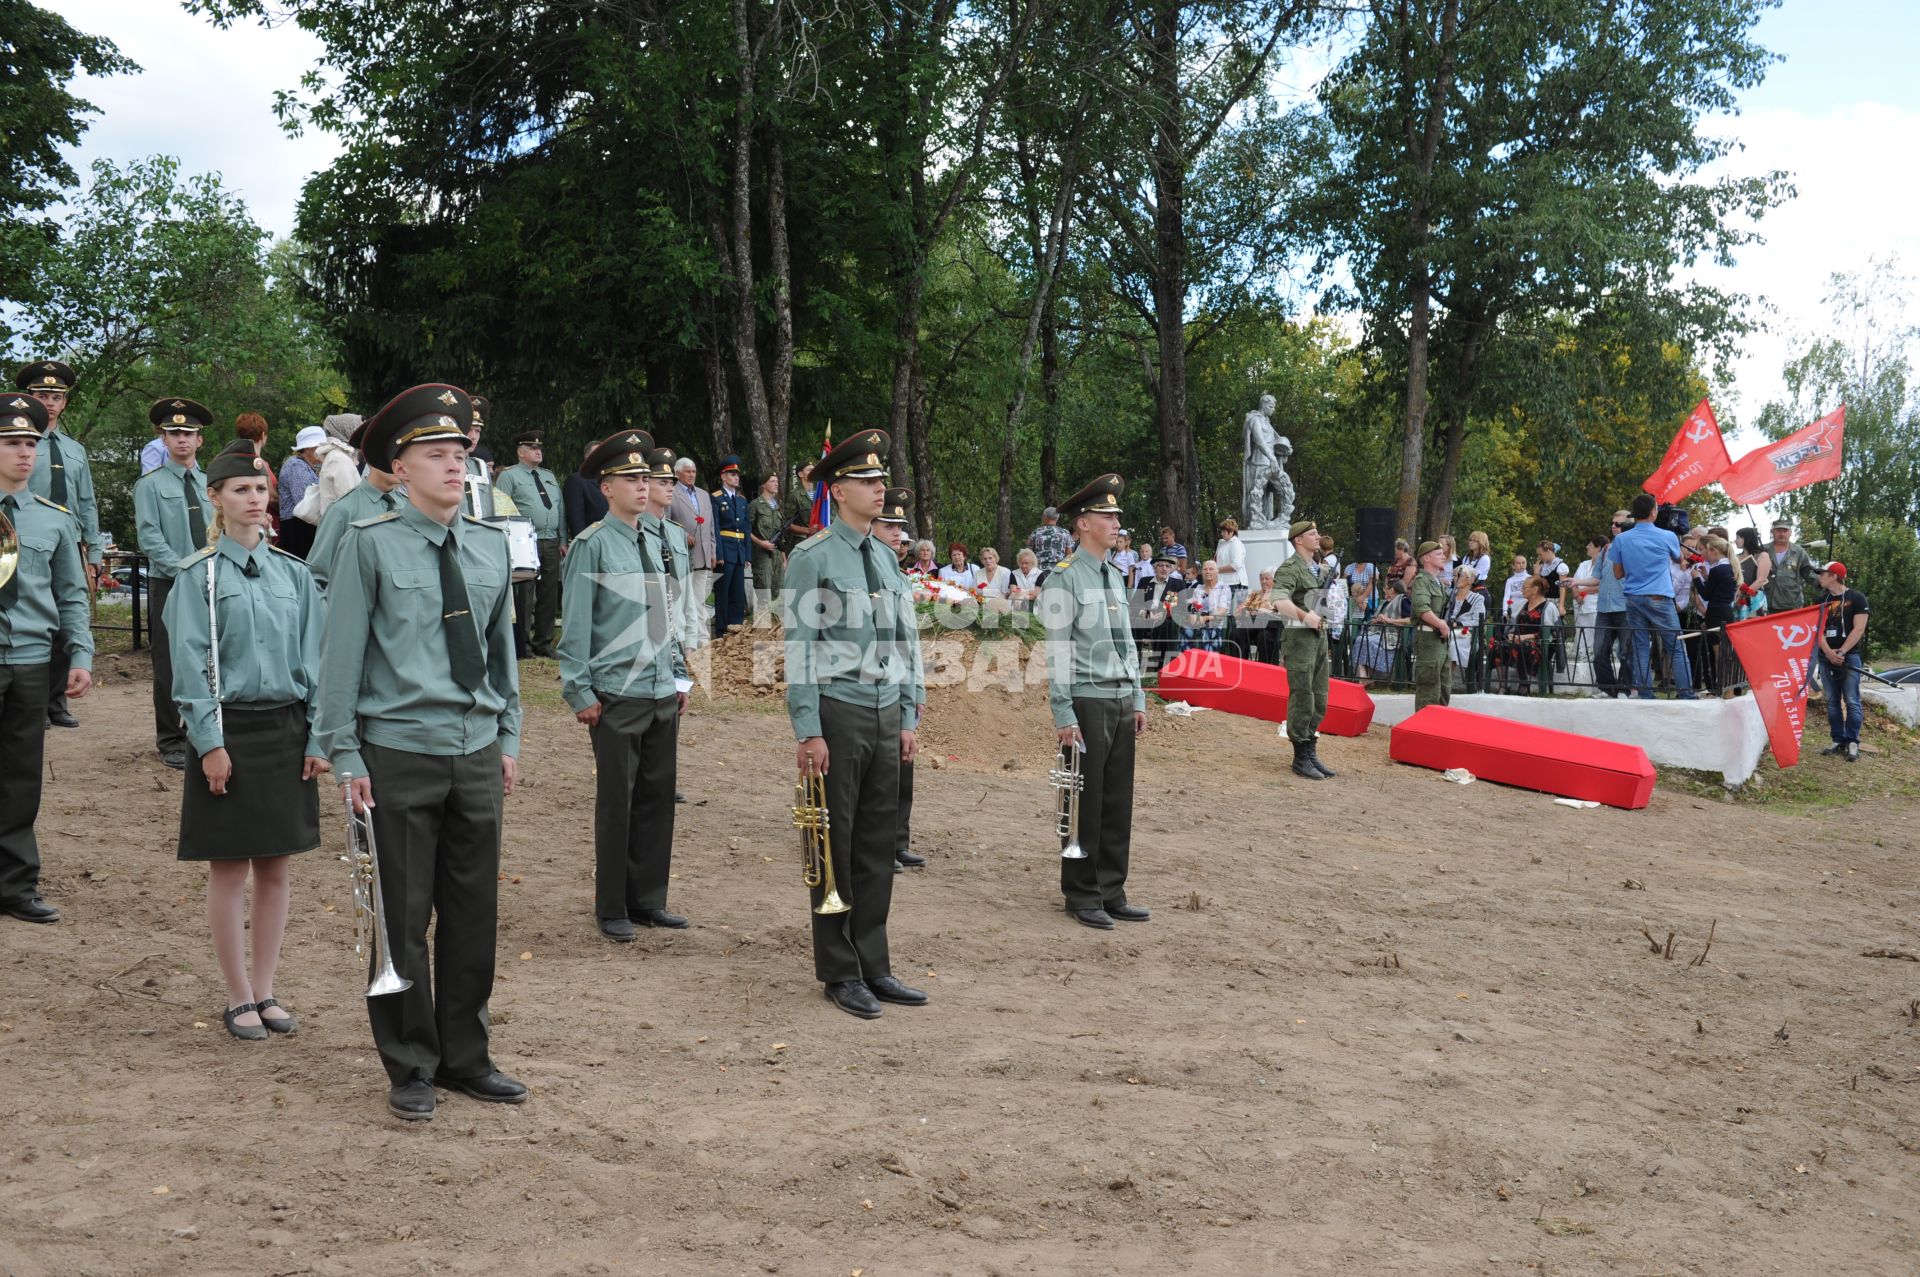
[[1818, 783]]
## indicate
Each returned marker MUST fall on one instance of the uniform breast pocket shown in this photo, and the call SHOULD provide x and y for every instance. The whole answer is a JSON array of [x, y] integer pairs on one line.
[[36, 557], [413, 594], [483, 587]]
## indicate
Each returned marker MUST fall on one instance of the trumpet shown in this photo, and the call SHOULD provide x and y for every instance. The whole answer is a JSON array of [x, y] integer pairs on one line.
[[1069, 782], [816, 840], [369, 916]]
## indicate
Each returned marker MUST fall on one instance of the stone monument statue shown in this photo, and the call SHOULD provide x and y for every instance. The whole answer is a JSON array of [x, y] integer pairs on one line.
[[1269, 492]]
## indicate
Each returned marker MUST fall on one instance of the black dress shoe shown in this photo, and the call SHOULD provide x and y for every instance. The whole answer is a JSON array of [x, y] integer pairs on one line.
[[617, 929], [1129, 913], [888, 989], [60, 718], [854, 997], [909, 860], [1099, 919], [494, 1088], [413, 1101], [657, 918], [33, 909], [174, 758]]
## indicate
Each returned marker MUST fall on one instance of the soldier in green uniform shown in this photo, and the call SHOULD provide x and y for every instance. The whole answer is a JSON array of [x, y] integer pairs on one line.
[[536, 493], [420, 715], [853, 672], [171, 514], [244, 621], [479, 480], [1099, 707], [766, 525], [62, 474], [676, 552], [623, 675], [891, 528], [1432, 663], [376, 493], [43, 599], [1298, 591]]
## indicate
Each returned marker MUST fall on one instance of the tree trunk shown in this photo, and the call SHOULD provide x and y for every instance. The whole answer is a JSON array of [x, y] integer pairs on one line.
[[746, 350], [926, 491], [1413, 440], [1050, 379], [780, 265], [1168, 164], [1459, 398], [713, 362]]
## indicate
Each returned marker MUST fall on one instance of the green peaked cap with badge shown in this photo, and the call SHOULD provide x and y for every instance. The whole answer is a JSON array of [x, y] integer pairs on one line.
[[622, 453], [862, 455], [179, 414], [421, 414], [1102, 496], [22, 417]]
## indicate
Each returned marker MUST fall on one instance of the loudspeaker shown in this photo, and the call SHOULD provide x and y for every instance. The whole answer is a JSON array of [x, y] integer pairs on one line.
[[1373, 534]]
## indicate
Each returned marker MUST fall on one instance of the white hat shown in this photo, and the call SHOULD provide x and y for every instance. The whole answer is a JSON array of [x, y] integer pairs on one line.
[[309, 437]]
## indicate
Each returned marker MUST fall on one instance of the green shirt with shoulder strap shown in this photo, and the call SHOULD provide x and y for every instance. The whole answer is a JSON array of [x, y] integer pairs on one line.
[[386, 676], [1090, 648], [49, 587], [524, 486], [57, 448], [363, 501], [160, 515], [618, 635], [843, 642], [1429, 595], [1298, 581]]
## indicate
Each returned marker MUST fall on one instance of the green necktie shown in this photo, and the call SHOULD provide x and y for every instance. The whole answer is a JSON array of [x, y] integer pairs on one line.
[[892, 638], [196, 517], [1121, 639], [10, 509], [456, 616], [56, 469], [541, 488], [390, 500], [646, 560], [666, 551]]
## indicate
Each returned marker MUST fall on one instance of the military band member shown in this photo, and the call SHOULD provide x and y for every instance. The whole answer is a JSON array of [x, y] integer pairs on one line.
[[622, 674], [62, 474], [43, 599], [676, 551], [1298, 589], [376, 493], [769, 560], [1432, 661], [420, 715], [244, 621], [853, 674], [1099, 706], [171, 515], [891, 528], [731, 550], [536, 493], [479, 480]]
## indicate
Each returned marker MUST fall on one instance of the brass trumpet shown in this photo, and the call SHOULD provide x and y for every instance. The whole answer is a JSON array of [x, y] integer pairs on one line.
[[369, 917], [1069, 782], [9, 550], [816, 840]]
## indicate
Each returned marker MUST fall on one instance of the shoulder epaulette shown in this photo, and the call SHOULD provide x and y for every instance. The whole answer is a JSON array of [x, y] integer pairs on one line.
[[377, 518], [1063, 562], [589, 530], [289, 553], [203, 553], [478, 523], [815, 539], [51, 504]]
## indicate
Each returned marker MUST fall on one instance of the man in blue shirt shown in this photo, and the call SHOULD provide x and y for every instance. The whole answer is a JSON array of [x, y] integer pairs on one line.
[[1642, 558], [1610, 642]]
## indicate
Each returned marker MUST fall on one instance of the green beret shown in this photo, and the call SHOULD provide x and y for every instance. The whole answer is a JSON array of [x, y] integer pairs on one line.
[[1301, 529], [1426, 548]]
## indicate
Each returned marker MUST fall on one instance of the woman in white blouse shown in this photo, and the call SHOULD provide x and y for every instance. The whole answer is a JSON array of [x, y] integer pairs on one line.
[[994, 580], [1230, 557], [1024, 586], [1123, 557], [1209, 603], [958, 572], [1479, 557]]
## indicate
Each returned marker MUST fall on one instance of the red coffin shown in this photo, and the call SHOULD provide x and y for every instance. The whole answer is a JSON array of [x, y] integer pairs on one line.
[[1258, 690], [1511, 753]]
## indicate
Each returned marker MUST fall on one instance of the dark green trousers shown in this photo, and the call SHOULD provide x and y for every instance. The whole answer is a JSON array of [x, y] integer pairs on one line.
[[1304, 652], [863, 802], [1106, 805], [902, 825], [168, 732], [436, 820], [1432, 670], [536, 603], [23, 739], [58, 669], [635, 746]]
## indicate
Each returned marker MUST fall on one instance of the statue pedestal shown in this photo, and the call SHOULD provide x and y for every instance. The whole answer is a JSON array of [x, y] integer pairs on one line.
[[1266, 548]]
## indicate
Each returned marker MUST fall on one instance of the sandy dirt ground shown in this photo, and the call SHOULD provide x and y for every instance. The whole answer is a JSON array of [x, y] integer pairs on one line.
[[1381, 1025]]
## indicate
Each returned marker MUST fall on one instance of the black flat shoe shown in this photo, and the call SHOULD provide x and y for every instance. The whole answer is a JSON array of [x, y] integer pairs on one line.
[[60, 718], [888, 989], [287, 1023], [617, 929], [33, 909], [1099, 919], [853, 997], [1128, 913], [245, 1032], [174, 758], [494, 1088], [413, 1101], [657, 918], [909, 860]]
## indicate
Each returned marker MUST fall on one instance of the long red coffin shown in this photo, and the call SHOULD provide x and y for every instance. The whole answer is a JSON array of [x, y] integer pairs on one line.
[[1521, 754], [1258, 690]]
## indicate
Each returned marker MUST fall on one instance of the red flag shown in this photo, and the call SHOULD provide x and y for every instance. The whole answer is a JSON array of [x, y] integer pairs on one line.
[[1696, 457], [1776, 650], [1809, 455], [822, 502]]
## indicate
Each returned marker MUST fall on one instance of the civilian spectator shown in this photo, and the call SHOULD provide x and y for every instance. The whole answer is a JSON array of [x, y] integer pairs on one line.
[[1549, 567], [1209, 604], [958, 572], [1584, 587], [1230, 557], [1479, 557], [1153, 610], [1510, 595], [923, 564], [1466, 614], [1125, 558], [1612, 652], [1024, 586], [1643, 559], [1257, 621], [1530, 638], [1050, 542], [1329, 557], [1363, 575], [1718, 589], [1169, 546], [1335, 609], [1755, 567], [994, 581], [1373, 655], [1792, 569], [339, 468], [1403, 565], [1450, 563], [153, 454], [1843, 615], [299, 472], [1186, 569], [581, 497]]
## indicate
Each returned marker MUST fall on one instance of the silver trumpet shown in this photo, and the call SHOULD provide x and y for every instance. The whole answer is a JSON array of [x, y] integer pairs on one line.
[[1069, 782], [369, 915]]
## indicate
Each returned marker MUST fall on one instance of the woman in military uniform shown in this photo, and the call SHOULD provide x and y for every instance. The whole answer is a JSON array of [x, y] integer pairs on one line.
[[244, 622]]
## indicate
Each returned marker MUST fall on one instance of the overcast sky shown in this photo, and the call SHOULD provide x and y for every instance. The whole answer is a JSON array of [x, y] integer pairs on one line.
[[1840, 113]]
